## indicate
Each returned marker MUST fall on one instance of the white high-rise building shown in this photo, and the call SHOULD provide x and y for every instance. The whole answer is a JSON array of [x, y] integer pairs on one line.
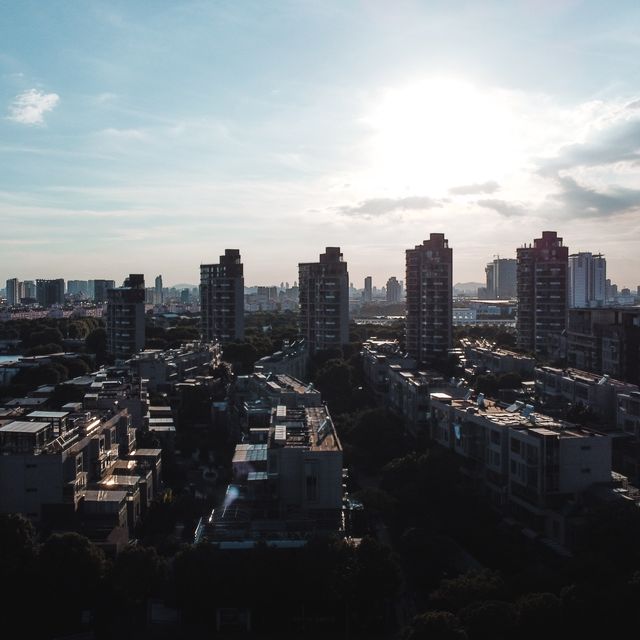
[[587, 280]]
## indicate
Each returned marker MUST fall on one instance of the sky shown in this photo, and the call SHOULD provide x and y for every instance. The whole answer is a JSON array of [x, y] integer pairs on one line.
[[149, 136]]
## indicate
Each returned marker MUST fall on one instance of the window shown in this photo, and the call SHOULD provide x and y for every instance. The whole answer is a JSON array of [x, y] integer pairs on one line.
[[515, 446], [586, 470], [586, 447], [495, 437]]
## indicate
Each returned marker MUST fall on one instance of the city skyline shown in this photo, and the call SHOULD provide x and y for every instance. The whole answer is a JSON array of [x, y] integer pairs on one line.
[[133, 131]]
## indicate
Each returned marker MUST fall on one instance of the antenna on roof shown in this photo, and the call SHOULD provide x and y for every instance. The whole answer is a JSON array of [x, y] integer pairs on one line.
[[604, 379], [467, 396], [480, 400]]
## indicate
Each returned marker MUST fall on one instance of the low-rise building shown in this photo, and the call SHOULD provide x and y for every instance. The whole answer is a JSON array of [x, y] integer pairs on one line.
[[528, 465]]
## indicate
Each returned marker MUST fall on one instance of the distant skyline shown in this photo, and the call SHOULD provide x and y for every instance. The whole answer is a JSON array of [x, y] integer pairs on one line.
[[149, 136]]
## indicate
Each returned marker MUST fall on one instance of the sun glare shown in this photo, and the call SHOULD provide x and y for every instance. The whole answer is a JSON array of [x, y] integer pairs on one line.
[[439, 133]]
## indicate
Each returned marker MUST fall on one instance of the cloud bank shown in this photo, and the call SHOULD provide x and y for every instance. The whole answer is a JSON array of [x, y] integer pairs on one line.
[[375, 207]]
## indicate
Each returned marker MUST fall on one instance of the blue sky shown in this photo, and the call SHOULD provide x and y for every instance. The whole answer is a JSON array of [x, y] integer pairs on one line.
[[150, 136]]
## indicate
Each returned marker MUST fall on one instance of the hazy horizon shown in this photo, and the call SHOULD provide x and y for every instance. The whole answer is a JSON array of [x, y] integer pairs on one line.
[[148, 137]]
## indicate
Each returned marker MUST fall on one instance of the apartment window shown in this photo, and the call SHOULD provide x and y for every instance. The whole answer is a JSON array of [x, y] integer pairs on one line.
[[515, 446], [586, 470], [586, 447], [31, 466], [495, 437], [31, 490]]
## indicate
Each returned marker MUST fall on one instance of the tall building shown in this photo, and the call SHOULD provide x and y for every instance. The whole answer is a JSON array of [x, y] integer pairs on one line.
[[98, 289], [29, 287], [50, 292], [159, 297], [587, 280], [429, 299], [77, 287], [542, 292], [125, 318], [13, 291], [501, 279], [394, 290], [490, 289], [222, 298], [324, 301], [368, 289]]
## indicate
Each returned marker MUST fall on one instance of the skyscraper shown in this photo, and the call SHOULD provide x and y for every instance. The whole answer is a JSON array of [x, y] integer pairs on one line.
[[50, 292], [159, 297], [501, 279], [394, 290], [542, 292], [222, 298], [587, 280], [125, 318], [429, 299], [13, 291], [368, 289], [98, 289], [324, 301]]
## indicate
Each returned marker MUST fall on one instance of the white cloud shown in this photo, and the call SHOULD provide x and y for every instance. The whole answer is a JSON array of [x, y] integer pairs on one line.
[[30, 106]]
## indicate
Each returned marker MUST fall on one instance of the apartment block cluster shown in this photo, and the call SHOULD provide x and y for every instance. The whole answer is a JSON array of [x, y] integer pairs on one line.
[[287, 468], [78, 466]]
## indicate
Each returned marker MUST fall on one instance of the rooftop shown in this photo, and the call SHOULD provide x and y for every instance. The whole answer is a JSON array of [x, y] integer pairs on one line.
[[24, 427]]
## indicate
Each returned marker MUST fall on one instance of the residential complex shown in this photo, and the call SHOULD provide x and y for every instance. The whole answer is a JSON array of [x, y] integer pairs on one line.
[[542, 292], [50, 292], [324, 301], [394, 290], [222, 298], [429, 299]]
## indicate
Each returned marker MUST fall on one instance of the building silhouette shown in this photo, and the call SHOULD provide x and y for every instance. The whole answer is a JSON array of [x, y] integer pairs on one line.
[[394, 290], [50, 292], [324, 301], [125, 318], [429, 299], [222, 298], [542, 292]]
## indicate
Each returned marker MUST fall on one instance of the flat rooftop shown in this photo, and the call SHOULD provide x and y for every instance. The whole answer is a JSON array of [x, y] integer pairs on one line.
[[24, 427], [48, 415], [105, 496], [512, 417]]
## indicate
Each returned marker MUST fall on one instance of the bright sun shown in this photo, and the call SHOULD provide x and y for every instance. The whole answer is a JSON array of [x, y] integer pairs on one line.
[[439, 133]]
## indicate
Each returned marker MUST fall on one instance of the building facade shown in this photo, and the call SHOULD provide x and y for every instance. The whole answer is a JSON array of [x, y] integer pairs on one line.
[[429, 299], [125, 318], [587, 280], [324, 301], [50, 292], [394, 290], [542, 292], [222, 298]]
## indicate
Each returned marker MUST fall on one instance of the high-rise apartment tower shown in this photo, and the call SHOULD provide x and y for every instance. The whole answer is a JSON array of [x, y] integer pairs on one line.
[[542, 292], [324, 301], [222, 298], [429, 299]]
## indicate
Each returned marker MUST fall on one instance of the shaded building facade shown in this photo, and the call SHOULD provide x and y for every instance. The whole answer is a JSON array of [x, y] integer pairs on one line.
[[429, 299], [222, 298], [324, 301]]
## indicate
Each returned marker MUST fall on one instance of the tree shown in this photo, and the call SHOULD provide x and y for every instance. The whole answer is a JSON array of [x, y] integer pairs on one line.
[[489, 619], [137, 574], [473, 586], [435, 625], [96, 341]]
